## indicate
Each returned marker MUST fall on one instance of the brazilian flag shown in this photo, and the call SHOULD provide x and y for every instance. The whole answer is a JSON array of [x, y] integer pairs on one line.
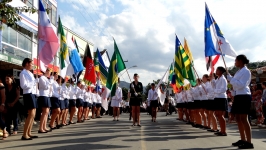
[[116, 66]]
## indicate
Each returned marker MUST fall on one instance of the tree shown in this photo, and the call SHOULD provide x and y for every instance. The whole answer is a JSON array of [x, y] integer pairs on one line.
[[10, 15], [252, 65], [124, 93]]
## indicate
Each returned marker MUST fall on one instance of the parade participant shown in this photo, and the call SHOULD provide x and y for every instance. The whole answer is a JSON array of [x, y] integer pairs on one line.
[[65, 90], [55, 103], [148, 107], [72, 100], [166, 104], [94, 101], [45, 88], [190, 106], [185, 100], [179, 104], [153, 98], [210, 94], [204, 101], [98, 103], [197, 105], [27, 82], [61, 81], [127, 106], [136, 90], [116, 102], [87, 97], [79, 101], [12, 92], [242, 101], [2, 107], [202, 98], [220, 100]]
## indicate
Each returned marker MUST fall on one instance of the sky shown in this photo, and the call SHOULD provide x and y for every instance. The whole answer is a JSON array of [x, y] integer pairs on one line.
[[145, 30]]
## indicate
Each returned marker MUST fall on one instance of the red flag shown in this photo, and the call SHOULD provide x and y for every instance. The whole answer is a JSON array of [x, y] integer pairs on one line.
[[88, 63]]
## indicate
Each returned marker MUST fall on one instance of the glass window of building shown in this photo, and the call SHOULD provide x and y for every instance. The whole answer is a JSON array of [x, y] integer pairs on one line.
[[54, 15], [9, 35], [24, 39], [28, 2], [52, 11]]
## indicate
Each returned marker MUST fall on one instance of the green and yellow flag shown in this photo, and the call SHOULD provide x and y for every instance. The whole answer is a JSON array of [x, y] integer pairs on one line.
[[116, 66], [190, 72]]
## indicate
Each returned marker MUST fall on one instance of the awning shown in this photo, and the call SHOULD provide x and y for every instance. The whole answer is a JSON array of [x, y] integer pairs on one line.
[[20, 23]]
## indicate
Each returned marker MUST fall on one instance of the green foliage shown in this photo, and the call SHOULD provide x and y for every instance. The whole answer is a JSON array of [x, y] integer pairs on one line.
[[252, 65], [10, 15]]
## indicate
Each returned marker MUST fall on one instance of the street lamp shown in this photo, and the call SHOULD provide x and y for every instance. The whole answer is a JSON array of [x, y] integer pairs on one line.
[[127, 70]]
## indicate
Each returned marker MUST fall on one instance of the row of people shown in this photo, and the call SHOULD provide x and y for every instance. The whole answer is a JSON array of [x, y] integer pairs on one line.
[[52, 92], [205, 103]]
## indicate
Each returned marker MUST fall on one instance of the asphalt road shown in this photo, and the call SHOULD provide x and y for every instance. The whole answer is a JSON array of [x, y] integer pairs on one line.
[[166, 133]]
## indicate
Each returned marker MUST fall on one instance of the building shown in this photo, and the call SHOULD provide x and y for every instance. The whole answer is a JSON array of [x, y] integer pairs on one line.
[[20, 41]]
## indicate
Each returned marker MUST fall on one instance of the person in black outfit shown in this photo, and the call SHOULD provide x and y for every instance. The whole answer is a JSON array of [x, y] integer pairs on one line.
[[12, 96], [2, 108], [135, 92]]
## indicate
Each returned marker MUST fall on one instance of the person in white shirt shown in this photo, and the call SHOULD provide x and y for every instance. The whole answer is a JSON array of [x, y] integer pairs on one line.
[[66, 102], [196, 106], [87, 104], [212, 121], [79, 101], [72, 100], [45, 88], [116, 102], [98, 103], [242, 101], [179, 105], [153, 98], [204, 100], [220, 100], [189, 106], [94, 101], [27, 82], [55, 103]]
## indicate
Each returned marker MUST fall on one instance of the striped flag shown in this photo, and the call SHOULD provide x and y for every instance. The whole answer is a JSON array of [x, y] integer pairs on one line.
[[191, 75], [100, 68]]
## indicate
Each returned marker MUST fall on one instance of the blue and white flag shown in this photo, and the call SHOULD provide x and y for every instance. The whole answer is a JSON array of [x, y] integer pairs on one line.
[[74, 57], [215, 43]]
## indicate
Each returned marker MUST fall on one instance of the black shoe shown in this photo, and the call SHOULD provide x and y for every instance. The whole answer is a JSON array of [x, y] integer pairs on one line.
[[49, 130], [246, 145], [207, 128], [23, 138], [238, 143], [117, 120], [34, 137], [211, 130], [220, 134], [133, 125], [139, 125], [188, 123], [58, 126], [71, 122], [42, 132]]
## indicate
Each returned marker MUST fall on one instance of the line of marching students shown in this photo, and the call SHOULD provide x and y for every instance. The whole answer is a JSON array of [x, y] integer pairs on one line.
[[51, 92], [205, 104]]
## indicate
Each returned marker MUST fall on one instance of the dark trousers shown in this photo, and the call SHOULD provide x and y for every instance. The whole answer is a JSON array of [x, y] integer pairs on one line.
[[12, 116], [264, 113], [2, 123]]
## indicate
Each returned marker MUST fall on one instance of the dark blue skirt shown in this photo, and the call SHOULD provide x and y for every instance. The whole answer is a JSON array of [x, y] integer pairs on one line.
[[85, 104], [55, 102], [241, 104], [30, 101], [44, 101], [98, 105], [66, 103], [72, 103], [79, 102], [62, 104], [220, 104]]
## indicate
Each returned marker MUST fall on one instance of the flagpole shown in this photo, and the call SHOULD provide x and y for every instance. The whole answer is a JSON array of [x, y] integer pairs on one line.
[[38, 49], [130, 80]]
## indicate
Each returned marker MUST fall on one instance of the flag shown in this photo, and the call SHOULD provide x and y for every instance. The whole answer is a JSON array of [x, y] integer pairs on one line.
[[88, 63], [179, 66], [100, 68], [172, 78], [47, 39], [75, 42], [66, 69], [190, 71], [116, 66], [164, 79], [215, 43], [74, 57]]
